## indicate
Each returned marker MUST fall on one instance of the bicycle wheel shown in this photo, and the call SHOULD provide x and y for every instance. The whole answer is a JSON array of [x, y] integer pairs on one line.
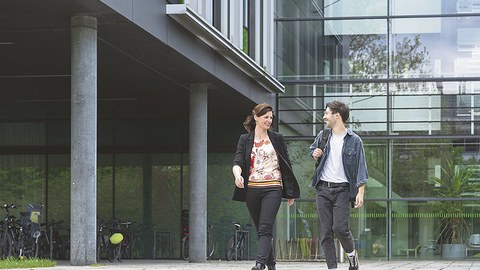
[[231, 248], [21, 245], [30, 247], [44, 246], [102, 247], [6, 248], [185, 247], [241, 248], [114, 252], [210, 247], [126, 251]]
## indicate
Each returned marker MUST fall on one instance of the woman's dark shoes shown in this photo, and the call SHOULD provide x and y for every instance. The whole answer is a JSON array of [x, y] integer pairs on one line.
[[258, 266], [271, 267]]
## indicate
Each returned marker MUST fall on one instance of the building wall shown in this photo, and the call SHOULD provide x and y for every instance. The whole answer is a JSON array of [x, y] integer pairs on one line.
[[143, 145]]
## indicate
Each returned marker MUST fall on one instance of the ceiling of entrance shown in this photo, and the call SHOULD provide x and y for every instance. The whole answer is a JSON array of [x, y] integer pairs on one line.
[[138, 76]]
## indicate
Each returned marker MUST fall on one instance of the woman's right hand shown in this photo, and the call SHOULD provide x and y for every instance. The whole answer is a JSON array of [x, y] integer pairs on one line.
[[239, 182], [237, 173]]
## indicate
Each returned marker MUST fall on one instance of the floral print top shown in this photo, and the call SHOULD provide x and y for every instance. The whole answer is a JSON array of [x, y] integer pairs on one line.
[[264, 166]]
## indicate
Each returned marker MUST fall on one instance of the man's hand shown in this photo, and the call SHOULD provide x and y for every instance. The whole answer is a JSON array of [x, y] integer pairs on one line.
[[290, 202], [317, 153], [359, 198]]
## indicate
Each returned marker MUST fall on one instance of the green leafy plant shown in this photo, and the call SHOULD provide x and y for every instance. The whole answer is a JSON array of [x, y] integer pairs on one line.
[[454, 183]]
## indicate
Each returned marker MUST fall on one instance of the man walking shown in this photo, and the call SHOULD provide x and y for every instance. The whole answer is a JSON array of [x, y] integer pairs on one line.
[[339, 179]]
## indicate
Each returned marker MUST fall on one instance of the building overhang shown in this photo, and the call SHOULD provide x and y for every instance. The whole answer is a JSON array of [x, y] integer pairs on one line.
[[217, 41]]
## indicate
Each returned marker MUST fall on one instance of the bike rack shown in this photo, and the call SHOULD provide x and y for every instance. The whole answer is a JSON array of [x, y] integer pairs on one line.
[[165, 243]]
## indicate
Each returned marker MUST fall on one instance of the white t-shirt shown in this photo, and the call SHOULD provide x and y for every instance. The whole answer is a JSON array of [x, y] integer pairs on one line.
[[333, 170]]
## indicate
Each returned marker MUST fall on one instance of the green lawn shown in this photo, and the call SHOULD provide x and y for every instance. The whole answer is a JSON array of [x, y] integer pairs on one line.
[[25, 263]]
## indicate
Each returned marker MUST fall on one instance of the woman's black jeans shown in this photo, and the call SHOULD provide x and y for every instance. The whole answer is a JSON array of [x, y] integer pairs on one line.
[[263, 205]]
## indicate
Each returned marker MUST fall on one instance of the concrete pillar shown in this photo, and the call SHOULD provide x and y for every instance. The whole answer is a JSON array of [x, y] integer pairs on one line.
[[83, 217], [198, 173], [147, 234]]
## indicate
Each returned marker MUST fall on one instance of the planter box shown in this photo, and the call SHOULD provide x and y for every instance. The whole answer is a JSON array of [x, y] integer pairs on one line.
[[454, 251]]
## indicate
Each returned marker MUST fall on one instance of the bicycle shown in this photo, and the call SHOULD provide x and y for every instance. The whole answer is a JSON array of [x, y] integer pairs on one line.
[[8, 239], [29, 231], [185, 240], [237, 242], [53, 245], [123, 228], [108, 242]]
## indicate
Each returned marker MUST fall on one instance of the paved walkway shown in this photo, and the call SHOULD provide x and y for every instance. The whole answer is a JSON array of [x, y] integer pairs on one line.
[[247, 265]]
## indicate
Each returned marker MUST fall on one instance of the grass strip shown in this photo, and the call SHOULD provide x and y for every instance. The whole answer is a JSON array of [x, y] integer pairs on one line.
[[25, 263]]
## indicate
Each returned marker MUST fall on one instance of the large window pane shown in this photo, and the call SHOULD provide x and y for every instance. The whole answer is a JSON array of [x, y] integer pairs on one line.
[[419, 47], [335, 8], [417, 226], [376, 154], [331, 8], [22, 179], [332, 49], [222, 211], [413, 7], [166, 188], [417, 163], [302, 115], [105, 186], [429, 108], [59, 182], [414, 230], [369, 227]]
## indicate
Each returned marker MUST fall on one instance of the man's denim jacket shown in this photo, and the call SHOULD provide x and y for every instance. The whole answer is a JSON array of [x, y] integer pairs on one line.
[[353, 157]]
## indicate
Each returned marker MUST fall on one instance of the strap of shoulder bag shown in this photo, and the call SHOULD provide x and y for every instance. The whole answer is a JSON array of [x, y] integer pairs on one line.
[[323, 142]]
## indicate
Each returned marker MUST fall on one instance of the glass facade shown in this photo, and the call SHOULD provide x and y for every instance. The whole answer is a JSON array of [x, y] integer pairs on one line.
[[410, 72]]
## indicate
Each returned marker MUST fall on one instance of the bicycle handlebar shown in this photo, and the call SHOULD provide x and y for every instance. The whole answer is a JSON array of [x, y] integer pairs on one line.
[[238, 225], [7, 206]]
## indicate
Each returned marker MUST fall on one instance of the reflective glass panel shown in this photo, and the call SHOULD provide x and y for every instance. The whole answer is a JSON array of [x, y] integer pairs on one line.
[[414, 230], [434, 168], [22, 180], [331, 8], [59, 181], [376, 155], [419, 228], [332, 49], [431, 108], [369, 227], [414, 7], [435, 47], [368, 113]]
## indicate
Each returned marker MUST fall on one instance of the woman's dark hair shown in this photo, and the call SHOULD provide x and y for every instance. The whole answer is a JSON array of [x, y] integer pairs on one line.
[[258, 110], [339, 107]]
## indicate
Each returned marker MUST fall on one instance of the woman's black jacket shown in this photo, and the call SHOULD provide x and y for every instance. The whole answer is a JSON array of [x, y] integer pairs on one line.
[[242, 159]]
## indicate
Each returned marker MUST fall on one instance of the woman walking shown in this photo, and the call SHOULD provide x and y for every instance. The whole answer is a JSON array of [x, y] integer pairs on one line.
[[263, 175]]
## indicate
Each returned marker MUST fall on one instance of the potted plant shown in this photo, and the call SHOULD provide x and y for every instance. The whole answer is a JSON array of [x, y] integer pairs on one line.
[[454, 183]]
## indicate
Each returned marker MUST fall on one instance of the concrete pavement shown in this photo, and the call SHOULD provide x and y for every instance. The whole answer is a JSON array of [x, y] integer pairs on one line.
[[247, 265]]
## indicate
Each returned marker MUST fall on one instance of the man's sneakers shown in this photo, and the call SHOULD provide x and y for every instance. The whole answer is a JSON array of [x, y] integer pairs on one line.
[[353, 260]]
